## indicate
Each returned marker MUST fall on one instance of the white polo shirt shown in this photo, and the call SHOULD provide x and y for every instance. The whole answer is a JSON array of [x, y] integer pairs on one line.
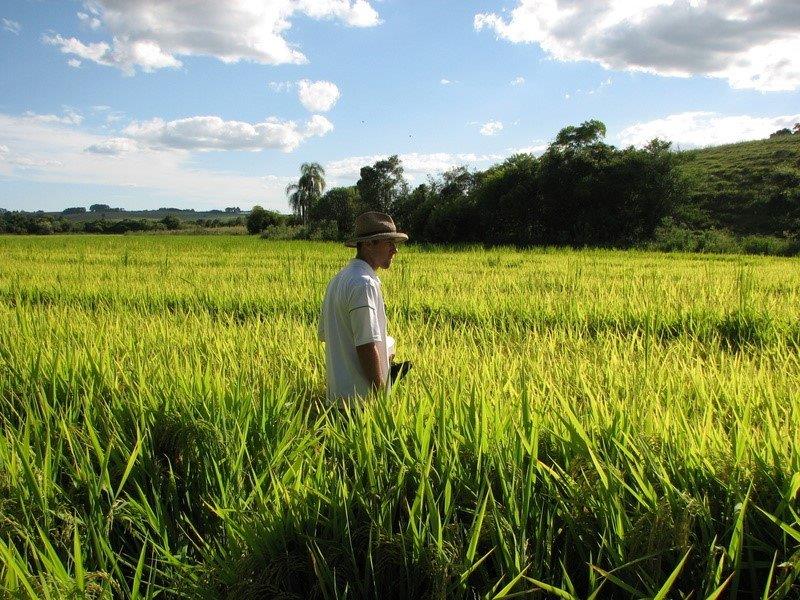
[[353, 314]]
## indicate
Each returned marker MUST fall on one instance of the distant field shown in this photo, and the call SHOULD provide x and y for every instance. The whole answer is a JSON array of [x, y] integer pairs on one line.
[[583, 423]]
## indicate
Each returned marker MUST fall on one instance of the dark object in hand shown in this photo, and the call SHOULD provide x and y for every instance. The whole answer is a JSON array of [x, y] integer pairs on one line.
[[398, 370]]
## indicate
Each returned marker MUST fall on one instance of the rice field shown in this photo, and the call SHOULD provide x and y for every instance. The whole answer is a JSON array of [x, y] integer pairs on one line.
[[577, 424]]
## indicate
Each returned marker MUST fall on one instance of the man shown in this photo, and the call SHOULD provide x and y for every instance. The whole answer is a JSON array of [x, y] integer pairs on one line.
[[353, 322]]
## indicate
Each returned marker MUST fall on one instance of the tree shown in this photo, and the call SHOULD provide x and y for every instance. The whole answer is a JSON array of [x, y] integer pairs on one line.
[[99, 207], [308, 189], [796, 128], [171, 222], [411, 211], [339, 204], [587, 133], [382, 184], [451, 210], [74, 210], [781, 133], [235, 210], [507, 198], [259, 219]]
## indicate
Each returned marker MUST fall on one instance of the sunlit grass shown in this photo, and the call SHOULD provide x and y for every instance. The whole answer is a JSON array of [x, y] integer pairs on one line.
[[581, 422]]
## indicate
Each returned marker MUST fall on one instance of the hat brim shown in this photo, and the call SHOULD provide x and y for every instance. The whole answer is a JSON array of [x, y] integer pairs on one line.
[[397, 237]]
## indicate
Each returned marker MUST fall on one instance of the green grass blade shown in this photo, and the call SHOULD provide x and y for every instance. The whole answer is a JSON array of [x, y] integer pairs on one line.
[[662, 593]]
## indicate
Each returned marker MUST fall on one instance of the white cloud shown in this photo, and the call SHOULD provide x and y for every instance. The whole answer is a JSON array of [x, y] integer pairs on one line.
[[30, 162], [361, 14], [444, 81], [53, 152], [111, 116], [205, 133], [317, 96], [278, 182], [751, 44], [113, 146], [700, 128], [12, 26], [535, 149], [74, 63], [280, 86], [603, 84], [98, 52], [491, 128], [591, 91], [70, 117], [414, 164], [356, 14], [91, 21], [318, 126], [153, 34], [518, 81]]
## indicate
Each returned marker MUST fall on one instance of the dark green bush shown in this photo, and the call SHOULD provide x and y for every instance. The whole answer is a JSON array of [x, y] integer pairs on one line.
[[284, 232]]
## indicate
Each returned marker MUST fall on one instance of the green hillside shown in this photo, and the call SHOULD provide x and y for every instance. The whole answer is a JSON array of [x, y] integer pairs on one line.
[[748, 188]]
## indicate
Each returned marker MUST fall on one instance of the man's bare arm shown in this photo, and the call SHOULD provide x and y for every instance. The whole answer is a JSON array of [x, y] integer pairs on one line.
[[370, 361]]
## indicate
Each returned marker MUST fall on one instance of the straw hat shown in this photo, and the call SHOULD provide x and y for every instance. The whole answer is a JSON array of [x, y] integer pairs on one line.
[[375, 226]]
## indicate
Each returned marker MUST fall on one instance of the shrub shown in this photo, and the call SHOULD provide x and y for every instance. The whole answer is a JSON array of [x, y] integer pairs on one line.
[[259, 219], [323, 231], [717, 241], [283, 232], [41, 227], [171, 222], [764, 244], [669, 236]]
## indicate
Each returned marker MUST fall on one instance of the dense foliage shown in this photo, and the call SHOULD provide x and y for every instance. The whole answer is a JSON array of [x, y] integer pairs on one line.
[[18, 222], [583, 192], [578, 424]]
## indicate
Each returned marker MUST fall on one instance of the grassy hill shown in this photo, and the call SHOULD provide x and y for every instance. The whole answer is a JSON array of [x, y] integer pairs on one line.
[[749, 188]]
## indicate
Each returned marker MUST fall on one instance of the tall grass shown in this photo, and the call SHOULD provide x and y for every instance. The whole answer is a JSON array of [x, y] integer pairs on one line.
[[577, 424]]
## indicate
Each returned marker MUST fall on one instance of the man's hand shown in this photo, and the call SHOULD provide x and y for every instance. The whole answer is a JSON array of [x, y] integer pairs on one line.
[[370, 361], [398, 370]]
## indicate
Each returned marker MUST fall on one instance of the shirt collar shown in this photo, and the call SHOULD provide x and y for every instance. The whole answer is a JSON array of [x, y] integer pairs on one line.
[[364, 265]]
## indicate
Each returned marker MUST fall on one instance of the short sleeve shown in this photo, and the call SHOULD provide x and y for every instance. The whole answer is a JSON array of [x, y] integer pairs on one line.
[[362, 305]]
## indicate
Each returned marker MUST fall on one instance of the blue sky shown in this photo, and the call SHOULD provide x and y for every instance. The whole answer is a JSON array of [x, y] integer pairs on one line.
[[145, 103]]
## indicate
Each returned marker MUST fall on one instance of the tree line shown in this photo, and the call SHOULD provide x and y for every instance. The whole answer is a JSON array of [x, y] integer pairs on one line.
[[581, 191], [39, 223]]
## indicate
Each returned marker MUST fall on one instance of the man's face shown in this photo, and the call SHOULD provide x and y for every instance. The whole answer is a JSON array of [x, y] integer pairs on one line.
[[384, 251]]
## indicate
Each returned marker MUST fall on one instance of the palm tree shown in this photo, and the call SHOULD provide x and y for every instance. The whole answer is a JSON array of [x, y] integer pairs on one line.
[[307, 189], [296, 199]]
